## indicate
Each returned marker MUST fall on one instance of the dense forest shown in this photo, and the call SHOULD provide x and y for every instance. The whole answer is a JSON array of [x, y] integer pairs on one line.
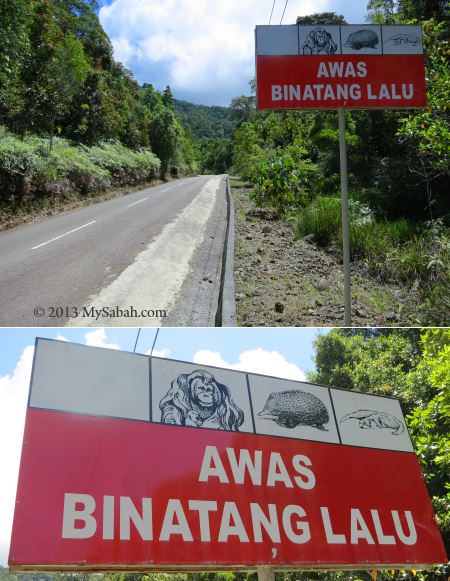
[[399, 169], [72, 119], [410, 364]]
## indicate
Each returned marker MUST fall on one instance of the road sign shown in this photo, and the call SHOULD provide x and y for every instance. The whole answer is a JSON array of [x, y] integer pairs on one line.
[[350, 66], [332, 67], [216, 469]]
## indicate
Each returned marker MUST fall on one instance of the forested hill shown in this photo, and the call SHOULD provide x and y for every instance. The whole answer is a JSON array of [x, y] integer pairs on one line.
[[73, 120], [202, 121]]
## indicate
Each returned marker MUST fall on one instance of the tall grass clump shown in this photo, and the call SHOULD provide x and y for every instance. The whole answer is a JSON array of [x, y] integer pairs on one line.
[[321, 219], [392, 250]]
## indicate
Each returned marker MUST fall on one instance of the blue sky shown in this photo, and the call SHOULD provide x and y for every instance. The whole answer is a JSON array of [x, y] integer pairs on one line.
[[203, 49], [280, 352]]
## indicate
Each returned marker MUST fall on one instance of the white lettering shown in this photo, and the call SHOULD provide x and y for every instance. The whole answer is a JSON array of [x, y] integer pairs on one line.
[[362, 69], [407, 94], [277, 95], [411, 539], [370, 95], [108, 517], [323, 71], [294, 92], [355, 92], [308, 94], [336, 69], [239, 467], [71, 514], [329, 93], [342, 92], [227, 529], [129, 514], [350, 70], [170, 527], [384, 92], [358, 528], [306, 480], [208, 469], [260, 520], [382, 538], [395, 95], [277, 471], [204, 507], [332, 538], [304, 535]]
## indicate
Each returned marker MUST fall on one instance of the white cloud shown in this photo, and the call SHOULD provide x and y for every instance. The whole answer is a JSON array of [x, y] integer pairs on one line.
[[256, 361], [13, 402], [199, 48], [158, 352], [61, 338], [98, 338]]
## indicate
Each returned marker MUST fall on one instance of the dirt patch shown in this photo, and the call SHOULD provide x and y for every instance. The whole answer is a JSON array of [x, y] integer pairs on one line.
[[285, 282]]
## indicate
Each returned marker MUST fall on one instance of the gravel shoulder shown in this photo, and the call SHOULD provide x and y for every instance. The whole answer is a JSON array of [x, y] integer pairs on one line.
[[285, 282]]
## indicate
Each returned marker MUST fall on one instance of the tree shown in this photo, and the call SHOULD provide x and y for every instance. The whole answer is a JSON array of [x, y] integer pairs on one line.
[[167, 97], [428, 130], [55, 68], [242, 108], [420, 10], [321, 18], [15, 45], [382, 11], [164, 133]]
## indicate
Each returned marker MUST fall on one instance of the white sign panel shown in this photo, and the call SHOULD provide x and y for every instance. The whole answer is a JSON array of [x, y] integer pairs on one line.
[[292, 409], [277, 40], [370, 421], [187, 394], [403, 39], [361, 39], [320, 40], [80, 379]]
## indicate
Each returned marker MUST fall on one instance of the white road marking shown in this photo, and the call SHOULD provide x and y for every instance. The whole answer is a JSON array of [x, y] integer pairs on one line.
[[62, 235], [138, 202], [165, 189], [154, 279]]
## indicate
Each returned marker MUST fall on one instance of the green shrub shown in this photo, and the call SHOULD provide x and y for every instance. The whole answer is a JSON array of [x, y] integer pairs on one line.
[[73, 164], [19, 168], [284, 182], [125, 165], [28, 172]]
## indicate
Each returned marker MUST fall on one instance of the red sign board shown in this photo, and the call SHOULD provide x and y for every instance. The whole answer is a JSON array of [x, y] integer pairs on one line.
[[103, 493], [131, 462], [346, 75], [348, 81]]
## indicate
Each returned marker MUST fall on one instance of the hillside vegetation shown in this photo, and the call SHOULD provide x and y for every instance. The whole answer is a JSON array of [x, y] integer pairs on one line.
[[74, 119]]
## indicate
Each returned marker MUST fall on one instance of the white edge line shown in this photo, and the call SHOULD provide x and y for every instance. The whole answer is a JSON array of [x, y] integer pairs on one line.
[[165, 189], [138, 202], [62, 235]]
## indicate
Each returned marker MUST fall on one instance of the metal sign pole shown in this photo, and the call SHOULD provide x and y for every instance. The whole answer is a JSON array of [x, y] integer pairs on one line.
[[345, 220], [265, 574]]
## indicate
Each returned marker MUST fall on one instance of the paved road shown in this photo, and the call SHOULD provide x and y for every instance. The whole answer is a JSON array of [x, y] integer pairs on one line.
[[157, 250]]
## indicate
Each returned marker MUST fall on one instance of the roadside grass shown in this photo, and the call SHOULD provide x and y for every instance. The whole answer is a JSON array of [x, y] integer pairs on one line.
[[238, 183], [397, 251]]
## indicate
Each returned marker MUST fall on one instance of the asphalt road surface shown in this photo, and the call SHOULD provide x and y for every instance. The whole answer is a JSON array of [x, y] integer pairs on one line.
[[144, 259]]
